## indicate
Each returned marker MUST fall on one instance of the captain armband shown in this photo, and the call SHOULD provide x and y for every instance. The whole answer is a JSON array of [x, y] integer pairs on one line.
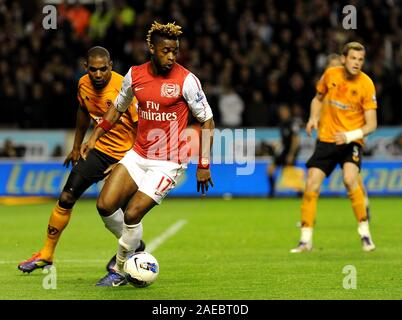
[[354, 135]]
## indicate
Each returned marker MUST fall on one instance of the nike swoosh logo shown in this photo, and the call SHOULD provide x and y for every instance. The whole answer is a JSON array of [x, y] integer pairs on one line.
[[138, 89], [117, 284], [135, 263]]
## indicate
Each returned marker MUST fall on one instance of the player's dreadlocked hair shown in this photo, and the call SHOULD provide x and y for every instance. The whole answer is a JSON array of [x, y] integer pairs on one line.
[[169, 30]]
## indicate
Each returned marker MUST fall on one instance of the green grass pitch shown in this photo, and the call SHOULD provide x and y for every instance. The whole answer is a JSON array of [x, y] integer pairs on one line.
[[233, 249]]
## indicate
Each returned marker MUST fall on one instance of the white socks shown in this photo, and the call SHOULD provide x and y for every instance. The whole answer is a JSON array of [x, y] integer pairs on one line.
[[128, 242], [306, 235], [363, 229], [114, 222]]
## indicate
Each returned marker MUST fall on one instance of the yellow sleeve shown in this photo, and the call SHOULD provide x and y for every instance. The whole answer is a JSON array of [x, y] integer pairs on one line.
[[321, 86], [80, 100], [369, 100]]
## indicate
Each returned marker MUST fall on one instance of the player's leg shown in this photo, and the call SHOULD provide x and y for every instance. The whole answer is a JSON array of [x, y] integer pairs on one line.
[[110, 201], [118, 189], [81, 177], [154, 184], [58, 220], [315, 177], [130, 239], [271, 179], [75, 186], [116, 192], [279, 161], [355, 192], [131, 236], [320, 165], [357, 198], [154, 187], [366, 199]]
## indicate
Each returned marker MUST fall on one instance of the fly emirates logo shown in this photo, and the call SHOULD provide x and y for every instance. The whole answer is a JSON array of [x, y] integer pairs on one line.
[[152, 113]]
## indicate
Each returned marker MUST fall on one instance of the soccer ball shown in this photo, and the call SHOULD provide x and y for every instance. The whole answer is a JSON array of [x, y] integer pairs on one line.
[[141, 269]]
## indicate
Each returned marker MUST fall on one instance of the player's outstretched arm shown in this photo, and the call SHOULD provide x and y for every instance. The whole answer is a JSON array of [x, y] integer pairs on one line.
[[204, 178], [107, 122], [81, 127]]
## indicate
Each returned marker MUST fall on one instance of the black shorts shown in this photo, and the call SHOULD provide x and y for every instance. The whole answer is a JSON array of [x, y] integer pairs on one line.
[[87, 172], [92, 169], [327, 155]]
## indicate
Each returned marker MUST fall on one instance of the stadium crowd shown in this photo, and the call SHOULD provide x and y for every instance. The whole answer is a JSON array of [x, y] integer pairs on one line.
[[251, 56]]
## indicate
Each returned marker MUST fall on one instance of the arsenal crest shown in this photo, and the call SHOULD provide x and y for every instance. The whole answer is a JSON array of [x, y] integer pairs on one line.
[[170, 90]]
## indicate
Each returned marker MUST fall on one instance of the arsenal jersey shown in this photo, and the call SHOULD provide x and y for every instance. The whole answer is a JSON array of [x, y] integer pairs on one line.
[[164, 102]]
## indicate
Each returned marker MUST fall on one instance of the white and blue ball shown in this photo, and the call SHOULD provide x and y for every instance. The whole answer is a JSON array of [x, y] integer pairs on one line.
[[141, 269]]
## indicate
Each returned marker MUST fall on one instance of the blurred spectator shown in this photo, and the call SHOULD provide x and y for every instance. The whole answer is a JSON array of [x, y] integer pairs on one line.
[[275, 47], [35, 111], [289, 130], [297, 115], [395, 148], [9, 150], [78, 15], [58, 151], [100, 21], [9, 103], [257, 111], [231, 107]]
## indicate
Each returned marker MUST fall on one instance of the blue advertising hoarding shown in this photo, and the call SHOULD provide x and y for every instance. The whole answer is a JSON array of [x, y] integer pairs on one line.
[[18, 178]]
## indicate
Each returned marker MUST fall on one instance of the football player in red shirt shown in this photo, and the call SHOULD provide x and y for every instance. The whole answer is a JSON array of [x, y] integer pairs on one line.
[[166, 92]]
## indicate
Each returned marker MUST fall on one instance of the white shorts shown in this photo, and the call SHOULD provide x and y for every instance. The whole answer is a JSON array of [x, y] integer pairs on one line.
[[155, 178]]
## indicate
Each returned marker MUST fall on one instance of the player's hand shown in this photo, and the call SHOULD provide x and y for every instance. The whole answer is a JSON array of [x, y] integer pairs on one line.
[[340, 138], [72, 157], [311, 125], [86, 148], [110, 169], [203, 180]]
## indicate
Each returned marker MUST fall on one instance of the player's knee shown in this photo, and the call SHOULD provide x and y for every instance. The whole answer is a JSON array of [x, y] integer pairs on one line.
[[312, 185], [350, 182], [105, 208], [67, 200]]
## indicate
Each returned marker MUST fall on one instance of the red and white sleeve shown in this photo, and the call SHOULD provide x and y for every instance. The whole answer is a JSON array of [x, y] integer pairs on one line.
[[125, 96], [196, 99]]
